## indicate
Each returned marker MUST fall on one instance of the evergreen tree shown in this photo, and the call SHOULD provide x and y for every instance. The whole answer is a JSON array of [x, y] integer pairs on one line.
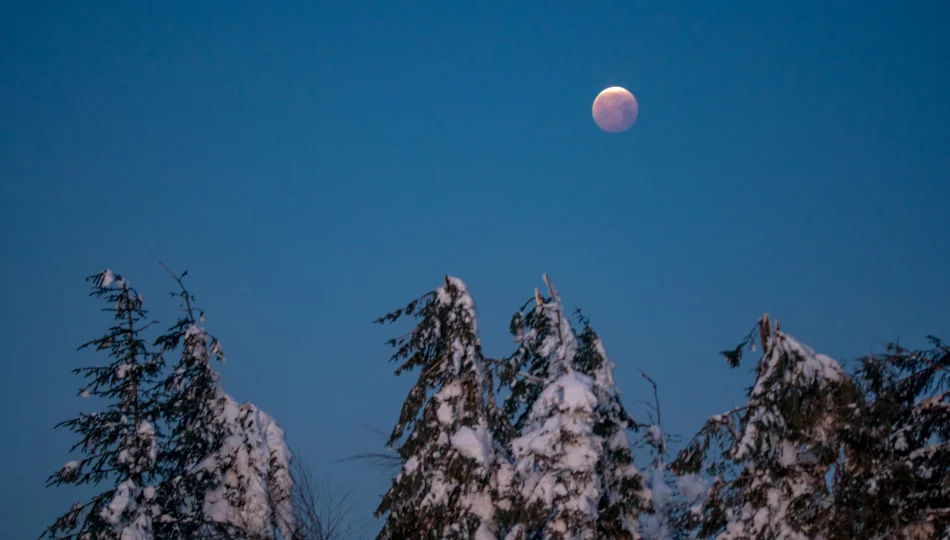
[[253, 497], [446, 487], [228, 466], [572, 464], [658, 523], [118, 445], [194, 408], [622, 497], [894, 481], [675, 498], [777, 449], [185, 460]]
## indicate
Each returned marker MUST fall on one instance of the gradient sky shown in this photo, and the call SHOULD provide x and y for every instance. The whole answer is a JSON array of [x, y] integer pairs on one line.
[[316, 165]]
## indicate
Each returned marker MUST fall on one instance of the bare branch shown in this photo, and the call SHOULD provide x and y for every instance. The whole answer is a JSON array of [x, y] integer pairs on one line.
[[656, 397], [324, 513]]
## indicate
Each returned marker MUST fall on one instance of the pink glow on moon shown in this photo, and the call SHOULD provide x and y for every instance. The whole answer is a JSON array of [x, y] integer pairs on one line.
[[615, 110]]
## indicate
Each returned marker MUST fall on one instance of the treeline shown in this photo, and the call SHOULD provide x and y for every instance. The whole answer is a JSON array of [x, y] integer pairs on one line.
[[181, 457], [534, 445]]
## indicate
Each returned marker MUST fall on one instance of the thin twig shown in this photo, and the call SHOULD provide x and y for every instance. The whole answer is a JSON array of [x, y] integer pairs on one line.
[[500, 364], [184, 292], [656, 397]]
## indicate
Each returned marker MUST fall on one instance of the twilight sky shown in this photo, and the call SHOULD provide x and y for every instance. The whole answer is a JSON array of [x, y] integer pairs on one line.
[[318, 164]]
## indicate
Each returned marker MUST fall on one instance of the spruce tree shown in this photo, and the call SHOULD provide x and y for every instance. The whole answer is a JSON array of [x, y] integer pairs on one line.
[[894, 481], [193, 409], [184, 459], [776, 449], [674, 498], [623, 497], [445, 488], [227, 465], [253, 498], [658, 523], [118, 445], [556, 489]]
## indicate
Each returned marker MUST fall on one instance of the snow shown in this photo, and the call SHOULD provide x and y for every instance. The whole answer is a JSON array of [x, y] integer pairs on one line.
[[788, 455], [571, 395], [692, 487], [654, 434], [655, 525], [197, 336], [556, 456], [450, 429], [559, 463], [444, 413], [619, 440], [216, 351], [448, 394], [257, 472], [805, 367], [107, 278], [504, 475], [808, 366], [575, 392], [280, 482], [438, 493], [770, 456], [559, 345], [145, 434], [661, 492], [120, 501], [474, 443], [462, 315]]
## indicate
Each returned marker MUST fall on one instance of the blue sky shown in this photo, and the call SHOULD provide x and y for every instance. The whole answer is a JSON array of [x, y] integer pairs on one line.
[[317, 164]]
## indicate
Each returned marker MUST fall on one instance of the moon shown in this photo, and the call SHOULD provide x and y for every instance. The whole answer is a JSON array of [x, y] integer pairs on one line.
[[615, 109]]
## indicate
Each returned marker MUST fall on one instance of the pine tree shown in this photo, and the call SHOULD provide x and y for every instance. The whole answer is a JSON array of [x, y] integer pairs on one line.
[[445, 488], [556, 489], [119, 445], [782, 443], [895, 477], [228, 466]]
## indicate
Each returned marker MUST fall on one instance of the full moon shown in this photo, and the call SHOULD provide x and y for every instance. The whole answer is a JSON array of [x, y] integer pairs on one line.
[[615, 110]]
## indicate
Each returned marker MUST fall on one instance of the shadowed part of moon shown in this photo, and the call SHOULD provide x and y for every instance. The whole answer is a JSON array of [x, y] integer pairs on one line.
[[615, 110]]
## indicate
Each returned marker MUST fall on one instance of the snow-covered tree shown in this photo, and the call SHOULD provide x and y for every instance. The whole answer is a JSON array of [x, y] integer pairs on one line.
[[573, 471], [253, 494], [622, 494], [119, 445], [555, 488], [185, 461], [776, 449], [447, 484], [194, 411], [658, 523], [227, 466], [674, 498], [894, 479]]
